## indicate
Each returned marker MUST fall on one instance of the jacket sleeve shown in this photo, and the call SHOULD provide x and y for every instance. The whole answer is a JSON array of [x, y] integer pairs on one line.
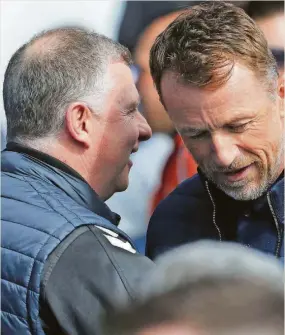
[[90, 272]]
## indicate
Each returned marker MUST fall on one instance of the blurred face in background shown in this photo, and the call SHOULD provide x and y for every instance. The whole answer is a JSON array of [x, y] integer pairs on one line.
[[152, 108], [234, 132], [273, 28]]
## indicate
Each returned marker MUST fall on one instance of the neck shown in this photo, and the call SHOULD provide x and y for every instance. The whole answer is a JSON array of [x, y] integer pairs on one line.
[[85, 164]]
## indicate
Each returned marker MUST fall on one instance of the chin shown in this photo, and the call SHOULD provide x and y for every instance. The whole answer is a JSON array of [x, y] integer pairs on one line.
[[122, 188], [122, 184]]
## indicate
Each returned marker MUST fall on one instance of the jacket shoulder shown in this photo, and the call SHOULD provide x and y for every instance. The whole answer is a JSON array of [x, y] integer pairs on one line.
[[105, 268], [187, 194], [183, 216], [192, 187]]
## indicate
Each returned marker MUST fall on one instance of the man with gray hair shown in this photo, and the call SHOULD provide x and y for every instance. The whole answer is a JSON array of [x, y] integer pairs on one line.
[[72, 124], [240, 293]]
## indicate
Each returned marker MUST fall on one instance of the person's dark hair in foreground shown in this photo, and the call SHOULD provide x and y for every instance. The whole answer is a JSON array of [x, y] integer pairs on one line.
[[240, 293], [71, 108], [219, 83]]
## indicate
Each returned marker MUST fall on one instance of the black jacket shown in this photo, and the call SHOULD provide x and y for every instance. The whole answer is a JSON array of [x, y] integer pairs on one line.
[[197, 210], [88, 266]]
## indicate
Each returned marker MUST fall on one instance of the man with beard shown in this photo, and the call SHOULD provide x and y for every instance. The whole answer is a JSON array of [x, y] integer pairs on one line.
[[219, 83]]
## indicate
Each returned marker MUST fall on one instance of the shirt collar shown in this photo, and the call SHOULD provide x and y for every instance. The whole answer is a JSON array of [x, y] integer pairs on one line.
[[71, 182]]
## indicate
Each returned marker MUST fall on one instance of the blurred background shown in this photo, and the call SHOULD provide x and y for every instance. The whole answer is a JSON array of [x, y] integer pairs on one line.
[[162, 162]]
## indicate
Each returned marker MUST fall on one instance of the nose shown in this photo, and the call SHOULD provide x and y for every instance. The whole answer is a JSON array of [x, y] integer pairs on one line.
[[224, 150], [145, 131]]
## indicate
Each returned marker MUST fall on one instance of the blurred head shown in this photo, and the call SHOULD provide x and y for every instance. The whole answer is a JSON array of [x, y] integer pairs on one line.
[[219, 83], [208, 288], [152, 107], [269, 16], [70, 92]]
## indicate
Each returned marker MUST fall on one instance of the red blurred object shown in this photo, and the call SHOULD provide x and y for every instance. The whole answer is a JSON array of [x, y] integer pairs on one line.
[[180, 166]]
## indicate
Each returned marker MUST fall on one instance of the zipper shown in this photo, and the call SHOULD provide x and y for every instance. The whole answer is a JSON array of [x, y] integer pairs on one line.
[[279, 237], [214, 212]]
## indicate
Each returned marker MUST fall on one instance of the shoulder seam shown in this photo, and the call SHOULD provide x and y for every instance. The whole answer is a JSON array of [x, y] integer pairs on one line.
[[114, 263]]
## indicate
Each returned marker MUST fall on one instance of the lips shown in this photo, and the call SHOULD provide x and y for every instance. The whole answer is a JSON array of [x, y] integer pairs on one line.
[[130, 163], [238, 174]]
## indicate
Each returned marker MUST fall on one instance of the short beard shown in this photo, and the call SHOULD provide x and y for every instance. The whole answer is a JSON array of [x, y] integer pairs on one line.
[[251, 191], [246, 192]]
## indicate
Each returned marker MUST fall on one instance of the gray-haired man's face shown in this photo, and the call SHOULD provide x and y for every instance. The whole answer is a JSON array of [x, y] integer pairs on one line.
[[118, 130]]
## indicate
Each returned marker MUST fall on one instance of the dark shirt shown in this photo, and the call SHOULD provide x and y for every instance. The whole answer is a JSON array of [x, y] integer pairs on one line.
[[198, 210]]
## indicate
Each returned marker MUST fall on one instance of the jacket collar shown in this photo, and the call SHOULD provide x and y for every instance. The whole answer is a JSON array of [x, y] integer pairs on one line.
[[58, 173], [275, 192]]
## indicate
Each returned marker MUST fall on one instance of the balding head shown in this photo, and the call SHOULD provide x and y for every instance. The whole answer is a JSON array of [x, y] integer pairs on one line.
[[51, 71]]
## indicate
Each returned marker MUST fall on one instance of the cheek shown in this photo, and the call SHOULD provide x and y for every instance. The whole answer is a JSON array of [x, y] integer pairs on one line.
[[130, 133], [124, 139], [261, 141]]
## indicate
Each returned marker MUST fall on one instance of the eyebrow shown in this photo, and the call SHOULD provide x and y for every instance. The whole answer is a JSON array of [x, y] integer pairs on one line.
[[194, 131], [134, 103]]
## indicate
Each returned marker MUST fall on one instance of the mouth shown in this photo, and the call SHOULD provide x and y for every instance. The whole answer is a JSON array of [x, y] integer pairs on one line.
[[238, 174], [135, 150], [130, 163]]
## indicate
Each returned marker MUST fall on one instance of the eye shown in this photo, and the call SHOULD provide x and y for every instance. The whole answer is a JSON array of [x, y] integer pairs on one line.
[[238, 128], [198, 136], [131, 112]]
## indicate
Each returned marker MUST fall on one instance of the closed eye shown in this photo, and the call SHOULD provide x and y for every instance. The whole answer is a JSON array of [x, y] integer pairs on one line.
[[199, 135], [238, 128], [132, 111]]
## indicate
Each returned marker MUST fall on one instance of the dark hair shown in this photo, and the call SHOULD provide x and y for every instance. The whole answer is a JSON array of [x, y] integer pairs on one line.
[[53, 69], [203, 44], [261, 9]]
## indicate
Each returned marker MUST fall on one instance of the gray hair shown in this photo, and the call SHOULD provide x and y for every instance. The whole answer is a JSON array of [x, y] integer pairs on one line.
[[215, 260], [49, 72], [216, 288]]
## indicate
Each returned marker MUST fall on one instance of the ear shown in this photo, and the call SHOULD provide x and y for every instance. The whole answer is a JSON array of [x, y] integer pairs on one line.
[[281, 93], [79, 123]]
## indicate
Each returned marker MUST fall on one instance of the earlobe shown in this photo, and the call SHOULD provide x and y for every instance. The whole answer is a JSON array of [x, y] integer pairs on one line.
[[77, 119], [281, 81]]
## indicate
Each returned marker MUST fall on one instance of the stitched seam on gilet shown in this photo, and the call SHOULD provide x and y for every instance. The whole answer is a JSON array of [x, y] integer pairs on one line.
[[9, 281], [54, 209], [21, 253], [55, 196], [67, 209], [12, 175], [24, 202], [114, 263], [98, 217], [15, 315], [60, 249], [29, 289], [41, 195], [42, 231]]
